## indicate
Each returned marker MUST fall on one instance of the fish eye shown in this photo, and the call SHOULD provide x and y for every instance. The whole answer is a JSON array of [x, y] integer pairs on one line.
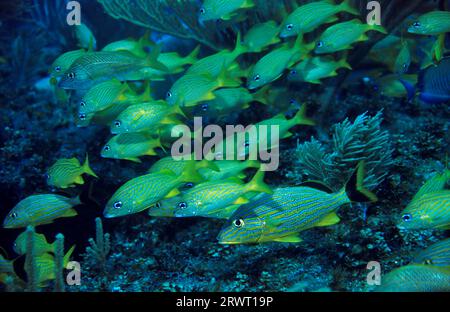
[[407, 217], [320, 44], [117, 205], [71, 75], [107, 148], [182, 205], [428, 261], [47, 176], [291, 101], [169, 94], [82, 116], [13, 215], [416, 24], [202, 11], [158, 205], [204, 107], [117, 123], [293, 72], [189, 185], [58, 69], [405, 65], [290, 26], [238, 223], [82, 103], [256, 77]]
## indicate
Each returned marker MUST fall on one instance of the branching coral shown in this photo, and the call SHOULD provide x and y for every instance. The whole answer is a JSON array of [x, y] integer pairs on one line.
[[352, 142], [100, 247]]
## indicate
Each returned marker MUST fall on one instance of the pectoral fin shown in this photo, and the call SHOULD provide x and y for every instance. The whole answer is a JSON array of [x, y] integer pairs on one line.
[[329, 219], [241, 201], [172, 193], [295, 238], [79, 180], [70, 213]]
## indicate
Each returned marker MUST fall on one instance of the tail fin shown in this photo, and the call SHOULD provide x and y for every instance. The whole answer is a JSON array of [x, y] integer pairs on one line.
[[346, 7], [190, 173], [146, 96], [192, 57], [240, 48], [225, 81], [378, 28], [261, 95], [301, 119], [87, 169], [75, 201], [257, 184], [344, 64], [355, 189], [152, 59], [68, 255]]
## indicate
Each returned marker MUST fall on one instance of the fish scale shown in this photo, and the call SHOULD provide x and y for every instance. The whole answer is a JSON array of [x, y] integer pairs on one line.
[[436, 254]]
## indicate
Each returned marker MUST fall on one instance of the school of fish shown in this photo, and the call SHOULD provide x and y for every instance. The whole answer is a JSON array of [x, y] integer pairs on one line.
[[113, 87]]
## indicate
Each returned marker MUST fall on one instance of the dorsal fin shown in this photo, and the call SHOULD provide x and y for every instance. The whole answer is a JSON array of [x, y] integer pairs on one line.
[[317, 185]]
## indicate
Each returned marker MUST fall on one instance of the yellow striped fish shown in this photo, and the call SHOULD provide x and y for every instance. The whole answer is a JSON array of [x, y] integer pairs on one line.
[[222, 9], [102, 96], [403, 59], [131, 146], [341, 36], [104, 117], [145, 116], [191, 89], [145, 191], [436, 254], [68, 172], [177, 166], [40, 209], [431, 23], [260, 36], [165, 207], [96, 67], [430, 211], [41, 246], [271, 66], [64, 61], [313, 69], [416, 278], [228, 169], [436, 183], [247, 143], [219, 199], [229, 99], [45, 267], [308, 17], [281, 216]]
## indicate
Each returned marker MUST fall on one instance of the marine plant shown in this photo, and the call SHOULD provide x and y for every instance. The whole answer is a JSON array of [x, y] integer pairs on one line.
[[364, 139]]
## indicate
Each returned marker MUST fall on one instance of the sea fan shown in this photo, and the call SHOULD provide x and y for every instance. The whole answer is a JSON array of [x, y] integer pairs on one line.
[[352, 142]]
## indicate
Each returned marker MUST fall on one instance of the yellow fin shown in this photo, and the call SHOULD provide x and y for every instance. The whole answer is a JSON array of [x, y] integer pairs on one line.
[[172, 193], [295, 238], [240, 201], [79, 180], [329, 219], [70, 213]]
